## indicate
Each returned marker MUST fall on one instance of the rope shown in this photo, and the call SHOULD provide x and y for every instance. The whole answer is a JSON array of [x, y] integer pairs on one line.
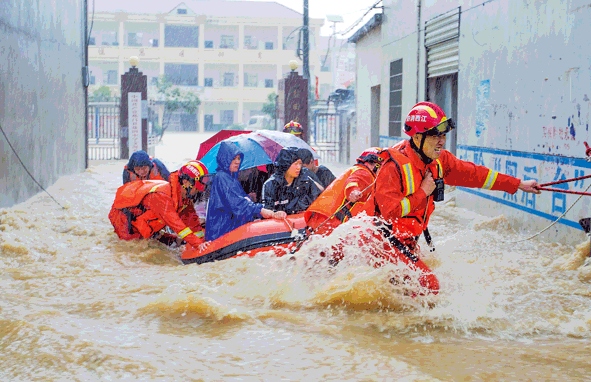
[[26, 170], [552, 224]]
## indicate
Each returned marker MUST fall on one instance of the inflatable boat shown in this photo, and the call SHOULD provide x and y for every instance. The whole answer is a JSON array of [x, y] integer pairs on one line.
[[261, 235], [282, 237]]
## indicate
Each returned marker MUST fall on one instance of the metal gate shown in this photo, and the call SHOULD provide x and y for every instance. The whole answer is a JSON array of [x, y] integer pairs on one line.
[[103, 131], [104, 142], [329, 136]]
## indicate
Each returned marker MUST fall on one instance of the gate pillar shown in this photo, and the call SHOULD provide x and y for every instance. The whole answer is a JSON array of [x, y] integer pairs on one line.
[[133, 110], [292, 100]]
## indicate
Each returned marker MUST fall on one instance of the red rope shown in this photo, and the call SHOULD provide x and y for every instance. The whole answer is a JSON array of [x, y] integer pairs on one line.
[[564, 191], [565, 181]]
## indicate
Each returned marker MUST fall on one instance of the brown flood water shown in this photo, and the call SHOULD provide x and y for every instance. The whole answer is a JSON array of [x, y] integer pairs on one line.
[[78, 304]]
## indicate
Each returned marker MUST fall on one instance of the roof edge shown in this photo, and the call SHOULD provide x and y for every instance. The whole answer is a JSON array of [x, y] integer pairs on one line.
[[370, 25]]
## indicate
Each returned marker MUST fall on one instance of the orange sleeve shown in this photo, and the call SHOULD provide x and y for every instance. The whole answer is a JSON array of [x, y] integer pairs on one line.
[[467, 174], [163, 206], [389, 194], [189, 216], [359, 180]]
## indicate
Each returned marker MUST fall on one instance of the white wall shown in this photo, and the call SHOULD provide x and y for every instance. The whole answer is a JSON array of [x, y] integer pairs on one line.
[[368, 64]]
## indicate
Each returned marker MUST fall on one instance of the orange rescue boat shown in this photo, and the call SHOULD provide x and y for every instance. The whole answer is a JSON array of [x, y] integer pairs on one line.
[[283, 236], [251, 238]]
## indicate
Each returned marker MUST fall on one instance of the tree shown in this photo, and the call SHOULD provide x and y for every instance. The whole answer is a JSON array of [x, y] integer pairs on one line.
[[270, 106], [102, 94], [174, 100]]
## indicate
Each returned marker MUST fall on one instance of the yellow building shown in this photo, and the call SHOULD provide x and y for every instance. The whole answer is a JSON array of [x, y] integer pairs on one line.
[[231, 53]]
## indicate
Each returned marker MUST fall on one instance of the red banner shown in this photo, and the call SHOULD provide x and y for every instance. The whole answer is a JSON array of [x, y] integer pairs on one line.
[[316, 93]]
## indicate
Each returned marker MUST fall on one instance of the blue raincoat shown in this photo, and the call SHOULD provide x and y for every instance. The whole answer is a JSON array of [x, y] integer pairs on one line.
[[228, 207]]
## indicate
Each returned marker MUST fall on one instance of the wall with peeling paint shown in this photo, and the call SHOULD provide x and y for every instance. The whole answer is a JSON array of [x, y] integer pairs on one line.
[[41, 94], [524, 89], [524, 85]]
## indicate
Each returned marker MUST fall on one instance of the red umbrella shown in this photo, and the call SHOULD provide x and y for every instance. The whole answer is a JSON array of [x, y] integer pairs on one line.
[[206, 145]]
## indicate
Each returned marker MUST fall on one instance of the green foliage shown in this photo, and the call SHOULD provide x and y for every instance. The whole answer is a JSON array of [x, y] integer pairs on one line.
[[175, 99], [269, 106], [102, 94]]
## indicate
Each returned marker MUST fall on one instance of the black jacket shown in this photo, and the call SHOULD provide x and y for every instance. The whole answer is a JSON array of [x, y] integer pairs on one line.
[[297, 197], [325, 176]]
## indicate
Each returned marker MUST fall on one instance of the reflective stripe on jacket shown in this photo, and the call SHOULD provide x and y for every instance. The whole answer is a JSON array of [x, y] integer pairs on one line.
[[397, 195], [155, 204]]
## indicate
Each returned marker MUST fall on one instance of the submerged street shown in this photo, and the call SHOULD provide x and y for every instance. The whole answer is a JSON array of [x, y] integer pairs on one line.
[[79, 304]]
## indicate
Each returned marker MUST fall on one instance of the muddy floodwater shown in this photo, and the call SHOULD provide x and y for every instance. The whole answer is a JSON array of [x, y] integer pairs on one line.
[[78, 304]]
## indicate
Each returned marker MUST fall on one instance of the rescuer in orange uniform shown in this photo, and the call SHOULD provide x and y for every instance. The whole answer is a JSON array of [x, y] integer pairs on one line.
[[414, 172], [142, 167], [144, 207], [346, 195]]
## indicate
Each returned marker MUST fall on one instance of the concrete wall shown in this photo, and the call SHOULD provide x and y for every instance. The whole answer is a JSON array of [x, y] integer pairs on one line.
[[523, 103], [524, 84], [42, 106], [369, 67]]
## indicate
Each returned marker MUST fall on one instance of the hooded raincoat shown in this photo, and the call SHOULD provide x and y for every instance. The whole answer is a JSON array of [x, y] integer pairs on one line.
[[228, 207], [294, 198]]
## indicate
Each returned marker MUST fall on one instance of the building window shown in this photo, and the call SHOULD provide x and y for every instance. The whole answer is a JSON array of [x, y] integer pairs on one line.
[[228, 79], [91, 41], [249, 42], [227, 42], [181, 11], [92, 80], [181, 74], [134, 39], [268, 46], [109, 38], [251, 80], [181, 36], [111, 77], [208, 122], [227, 117], [208, 82], [153, 42], [209, 44], [395, 103], [268, 83]]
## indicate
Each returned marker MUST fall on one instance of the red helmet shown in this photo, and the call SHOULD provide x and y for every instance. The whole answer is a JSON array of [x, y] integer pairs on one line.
[[196, 173], [371, 155], [427, 118], [293, 127]]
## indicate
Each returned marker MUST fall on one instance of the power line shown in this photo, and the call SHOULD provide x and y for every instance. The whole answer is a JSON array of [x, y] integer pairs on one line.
[[422, 30], [359, 20]]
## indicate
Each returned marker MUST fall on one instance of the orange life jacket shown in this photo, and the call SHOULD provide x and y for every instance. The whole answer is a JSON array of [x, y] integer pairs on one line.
[[334, 200], [154, 174], [128, 200], [415, 222]]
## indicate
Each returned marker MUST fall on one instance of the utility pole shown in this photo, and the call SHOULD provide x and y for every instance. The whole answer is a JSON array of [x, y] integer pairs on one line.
[[306, 43]]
